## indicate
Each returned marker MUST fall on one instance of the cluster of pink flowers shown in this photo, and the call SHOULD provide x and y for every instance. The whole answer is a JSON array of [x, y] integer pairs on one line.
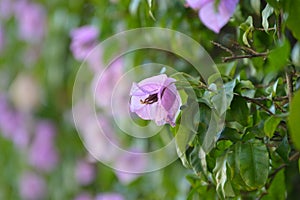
[[42, 152], [31, 18], [84, 42], [38, 146], [214, 16]]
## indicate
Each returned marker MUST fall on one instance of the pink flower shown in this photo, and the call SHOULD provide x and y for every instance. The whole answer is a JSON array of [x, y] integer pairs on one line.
[[109, 196], [132, 161], [104, 84], [32, 186], [84, 39], [156, 98], [84, 196], [6, 8], [212, 17], [32, 21], [2, 39], [42, 153], [13, 124], [85, 172]]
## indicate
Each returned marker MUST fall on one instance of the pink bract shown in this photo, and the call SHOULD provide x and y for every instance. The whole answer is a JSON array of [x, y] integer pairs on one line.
[[156, 98], [211, 16]]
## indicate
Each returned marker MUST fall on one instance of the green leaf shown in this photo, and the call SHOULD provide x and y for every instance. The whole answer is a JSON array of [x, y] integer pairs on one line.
[[284, 149], [223, 98], [293, 18], [187, 131], [150, 3], [277, 189], [296, 54], [245, 88], [254, 164], [248, 28], [238, 111], [274, 3], [234, 165], [278, 57], [227, 69], [223, 185], [230, 134], [214, 129], [197, 160], [270, 125], [299, 164], [133, 6], [293, 120], [266, 13]]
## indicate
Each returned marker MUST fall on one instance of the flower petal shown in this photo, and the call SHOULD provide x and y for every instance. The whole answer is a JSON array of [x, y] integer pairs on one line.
[[196, 4], [216, 19]]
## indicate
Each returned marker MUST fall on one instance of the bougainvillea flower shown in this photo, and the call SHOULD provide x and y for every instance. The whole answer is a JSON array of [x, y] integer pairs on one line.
[[85, 172], [31, 20], [133, 161], [156, 98], [42, 152], [84, 39], [32, 186], [104, 86], [214, 17], [84, 196]]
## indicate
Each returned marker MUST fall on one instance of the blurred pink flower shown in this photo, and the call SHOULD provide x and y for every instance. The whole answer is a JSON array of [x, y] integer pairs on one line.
[[156, 98], [103, 84], [85, 172], [212, 17], [84, 39], [7, 117], [13, 124], [132, 161], [84, 196], [6, 8], [94, 59], [97, 134], [109, 196], [31, 19], [42, 152], [32, 186], [2, 38]]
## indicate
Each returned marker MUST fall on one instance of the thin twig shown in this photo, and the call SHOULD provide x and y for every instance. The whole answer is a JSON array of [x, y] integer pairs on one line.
[[279, 107], [278, 25], [227, 59], [294, 157], [262, 29], [251, 53], [244, 48], [223, 47], [281, 98], [256, 102], [289, 83]]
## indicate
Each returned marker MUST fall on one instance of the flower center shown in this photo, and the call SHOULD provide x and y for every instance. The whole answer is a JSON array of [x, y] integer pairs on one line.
[[152, 98]]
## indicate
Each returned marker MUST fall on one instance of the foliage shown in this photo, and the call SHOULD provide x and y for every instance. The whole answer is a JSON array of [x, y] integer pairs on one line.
[[251, 153]]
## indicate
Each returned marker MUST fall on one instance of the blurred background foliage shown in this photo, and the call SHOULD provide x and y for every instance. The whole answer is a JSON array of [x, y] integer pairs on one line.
[[42, 156]]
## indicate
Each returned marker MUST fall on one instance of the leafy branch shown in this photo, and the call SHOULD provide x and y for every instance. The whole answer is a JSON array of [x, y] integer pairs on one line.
[[251, 53], [294, 157]]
